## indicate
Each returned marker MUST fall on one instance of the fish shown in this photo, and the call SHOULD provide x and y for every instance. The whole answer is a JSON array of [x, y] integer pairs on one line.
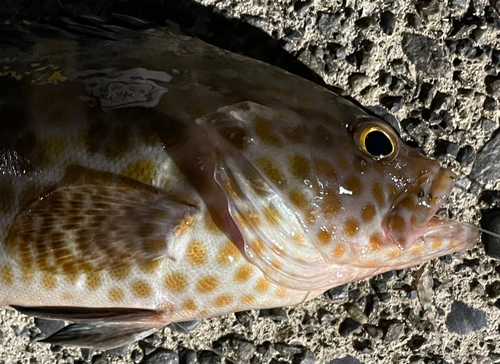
[[148, 178]]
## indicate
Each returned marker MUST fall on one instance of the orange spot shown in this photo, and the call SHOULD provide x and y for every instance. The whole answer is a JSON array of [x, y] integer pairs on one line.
[[398, 223], [243, 273], [142, 170], [115, 295], [66, 297], [281, 292], [324, 168], [196, 253], [375, 242], [298, 198], [262, 285], [210, 224], [395, 252], [299, 166], [207, 284], [408, 203], [298, 237], [436, 244], [251, 219], [416, 249], [247, 299], [189, 305], [342, 161], [228, 254], [27, 273], [338, 251], [378, 193], [368, 212], [150, 266], [223, 300], [184, 226], [93, 280], [175, 282], [155, 245], [272, 215], [120, 272], [331, 204], [271, 170], [263, 129], [276, 265], [49, 282], [360, 164], [323, 237], [258, 246], [141, 289], [354, 184], [351, 228], [371, 263], [6, 274]]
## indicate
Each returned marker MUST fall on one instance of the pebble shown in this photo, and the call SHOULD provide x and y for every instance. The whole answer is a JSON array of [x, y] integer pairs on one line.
[[338, 293], [327, 22], [305, 357], [245, 318], [277, 314], [387, 22], [48, 327], [430, 10], [372, 305], [337, 51], [349, 326], [374, 331], [442, 101], [184, 327], [490, 104], [346, 360], [208, 357], [243, 349], [466, 156], [426, 54], [490, 220], [162, 356], [493, 289], [136, 355], [416, 342], [427, 93], [392, 103], [187, 356], [492, 85], [486, 168], [288, 350], [363, 346], [464, 319], [358, 81], [445, 148], [325, 317], [394, 332]]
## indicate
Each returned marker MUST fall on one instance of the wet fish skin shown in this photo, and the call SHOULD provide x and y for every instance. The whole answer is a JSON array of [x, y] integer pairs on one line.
[[160, 179]]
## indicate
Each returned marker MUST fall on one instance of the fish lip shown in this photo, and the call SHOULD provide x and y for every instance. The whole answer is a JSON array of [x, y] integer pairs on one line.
[[429, 192]]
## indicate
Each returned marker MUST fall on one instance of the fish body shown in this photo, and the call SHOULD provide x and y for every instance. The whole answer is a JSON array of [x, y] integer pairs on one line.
[[160, 179]]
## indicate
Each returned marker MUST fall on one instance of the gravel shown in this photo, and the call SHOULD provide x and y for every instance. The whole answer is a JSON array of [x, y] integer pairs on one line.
[[436, 66]]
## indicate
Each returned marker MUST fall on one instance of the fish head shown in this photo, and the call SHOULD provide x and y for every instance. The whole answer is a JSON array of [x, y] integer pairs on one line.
[[330, 194]]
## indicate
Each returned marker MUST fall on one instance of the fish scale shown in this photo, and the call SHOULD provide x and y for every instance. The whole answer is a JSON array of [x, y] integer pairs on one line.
[[168, 180]]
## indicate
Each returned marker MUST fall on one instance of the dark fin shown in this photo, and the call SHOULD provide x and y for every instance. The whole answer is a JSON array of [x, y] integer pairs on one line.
[[100, 224], [99, 335], [90, 314]]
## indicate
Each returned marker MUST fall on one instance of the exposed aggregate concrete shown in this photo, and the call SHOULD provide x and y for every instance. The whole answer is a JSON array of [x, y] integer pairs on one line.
[[435, 65]]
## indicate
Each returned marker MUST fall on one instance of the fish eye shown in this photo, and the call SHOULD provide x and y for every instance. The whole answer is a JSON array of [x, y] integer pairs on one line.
[[377, 140]]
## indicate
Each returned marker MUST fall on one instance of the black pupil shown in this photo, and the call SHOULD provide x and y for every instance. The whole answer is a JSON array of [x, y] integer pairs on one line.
[[378, 144]]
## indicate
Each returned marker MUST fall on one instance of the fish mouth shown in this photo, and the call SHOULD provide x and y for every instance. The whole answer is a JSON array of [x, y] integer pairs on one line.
[[412, 217]]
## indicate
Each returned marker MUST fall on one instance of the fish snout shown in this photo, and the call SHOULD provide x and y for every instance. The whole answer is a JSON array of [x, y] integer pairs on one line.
[[411, 214]]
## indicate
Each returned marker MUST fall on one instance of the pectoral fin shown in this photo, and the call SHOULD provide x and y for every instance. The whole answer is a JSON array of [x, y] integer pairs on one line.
[[98, 335], [96, 225], [100, 328]]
